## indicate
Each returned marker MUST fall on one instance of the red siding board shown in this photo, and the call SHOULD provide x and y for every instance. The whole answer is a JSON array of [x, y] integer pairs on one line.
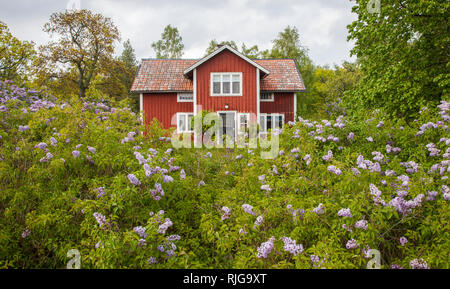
[[227, 61], [283, 103], [163, 106]]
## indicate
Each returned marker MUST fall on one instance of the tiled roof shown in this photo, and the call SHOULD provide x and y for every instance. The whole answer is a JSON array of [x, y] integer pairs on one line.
[[167, 75], [162, 75], [284, 75]]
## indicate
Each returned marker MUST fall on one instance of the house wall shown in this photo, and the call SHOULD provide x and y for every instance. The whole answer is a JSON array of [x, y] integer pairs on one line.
[[227, 61], [164, 106], [283, 103]]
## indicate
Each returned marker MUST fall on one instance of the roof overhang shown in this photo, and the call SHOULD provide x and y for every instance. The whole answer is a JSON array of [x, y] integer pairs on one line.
[[217, 51]]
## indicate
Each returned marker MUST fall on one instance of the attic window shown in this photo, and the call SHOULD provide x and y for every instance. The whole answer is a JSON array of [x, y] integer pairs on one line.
[[266, 96], [226, 84], [185, 97]]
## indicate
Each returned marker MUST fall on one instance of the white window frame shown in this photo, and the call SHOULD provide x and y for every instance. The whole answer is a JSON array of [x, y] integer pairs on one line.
[[271, 99], [247, 115], [230, 74], [179, 99], [263, 130], [186, 115]]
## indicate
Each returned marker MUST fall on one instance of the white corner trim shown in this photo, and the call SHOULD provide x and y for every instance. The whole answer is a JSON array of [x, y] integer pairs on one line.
[[257, 95], [195, 92], [141, 102], [217, 51]]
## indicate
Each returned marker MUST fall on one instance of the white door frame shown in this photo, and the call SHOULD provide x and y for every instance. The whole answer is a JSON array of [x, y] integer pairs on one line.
[[235, 119]]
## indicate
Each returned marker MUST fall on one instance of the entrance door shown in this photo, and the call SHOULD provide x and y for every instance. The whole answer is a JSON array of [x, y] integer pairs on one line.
[[228, 124]]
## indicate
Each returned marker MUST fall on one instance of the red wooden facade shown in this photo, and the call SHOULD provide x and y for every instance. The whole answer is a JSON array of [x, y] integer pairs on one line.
[[283, 103], [227, 62], [163, 106]]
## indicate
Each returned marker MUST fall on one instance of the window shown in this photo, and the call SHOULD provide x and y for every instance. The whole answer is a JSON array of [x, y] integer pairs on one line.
[[226, 84], [184, 122], [243, 119], [270, 121], [185, 97], [266, 96]]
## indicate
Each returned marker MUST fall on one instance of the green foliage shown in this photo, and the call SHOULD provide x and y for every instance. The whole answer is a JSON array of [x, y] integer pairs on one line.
[[403, 52], [171, 44], [55, 199], [15, 56]]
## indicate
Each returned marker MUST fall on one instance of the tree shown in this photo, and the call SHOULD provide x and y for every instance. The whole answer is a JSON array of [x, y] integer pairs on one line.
[[15, 55], [404, 56], [214, 44], [171, 44], [287, 45], [128, 56], [85, 44], [251, 52]]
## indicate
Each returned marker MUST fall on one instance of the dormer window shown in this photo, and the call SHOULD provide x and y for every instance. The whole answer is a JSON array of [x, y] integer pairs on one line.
[[226, 84]]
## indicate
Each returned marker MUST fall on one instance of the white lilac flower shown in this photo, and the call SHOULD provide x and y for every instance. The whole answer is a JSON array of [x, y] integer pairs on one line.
[[266, 188], [182, 174], [134, 180], [361, 224], [265, 248], [344, 212], [291, 246]]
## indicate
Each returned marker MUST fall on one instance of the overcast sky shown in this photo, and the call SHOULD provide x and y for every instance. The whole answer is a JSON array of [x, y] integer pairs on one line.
[[321, 23]]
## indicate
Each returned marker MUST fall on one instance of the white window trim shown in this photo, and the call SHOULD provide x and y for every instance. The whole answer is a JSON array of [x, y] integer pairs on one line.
[[184, 100], [231, 83], [263, 130], [272, 99], [239, 122], [186, 114]]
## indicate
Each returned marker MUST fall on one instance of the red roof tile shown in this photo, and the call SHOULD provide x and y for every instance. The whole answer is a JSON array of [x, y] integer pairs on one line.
[[167, 75]]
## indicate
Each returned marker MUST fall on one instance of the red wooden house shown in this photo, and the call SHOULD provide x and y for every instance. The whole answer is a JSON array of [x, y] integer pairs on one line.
[[239, 89]]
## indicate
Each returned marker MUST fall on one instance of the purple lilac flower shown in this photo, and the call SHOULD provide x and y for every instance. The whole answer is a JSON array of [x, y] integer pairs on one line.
[[307, 159], [319, 209], [242, 232], [101, 220], [431, 196], [134, 180], [23, 128], [334, 170], [167, 179], [403, 241], [258, 221], [315, 259], [418, 264], [41, 146], [350, 136], [396, 266], [266, 188], [261, 177], [362, 224], [265, 248], [53, 141], [352, 244], [76, 154], [248, 209], [291, 246], [26, 233], [152, 260], [328, 156], [182, 174], [91, 149], [100, 191], [164, 226], [201, 183], [345, 212], [140, 231], [227, 213], [369, 139]]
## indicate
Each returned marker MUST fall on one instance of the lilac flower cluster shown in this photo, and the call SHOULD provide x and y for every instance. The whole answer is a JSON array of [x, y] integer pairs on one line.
[[345, 212], [319, 210], [418, 264], [291, 246], [328, 156], [26, 233], [352, 244], [403, 241], [134, 180], [362, 224], [101, 220], [158, 192], [100, 192], [334, 170], [307, 159], [411, 167], [227, 213], [295, 213], [248, 209], [394, 150], [164, 226], [140, 231], [265, 248], [258, 222]]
